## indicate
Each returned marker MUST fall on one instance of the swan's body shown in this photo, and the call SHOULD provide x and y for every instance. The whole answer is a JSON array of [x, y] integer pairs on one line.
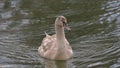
[[56, 47]]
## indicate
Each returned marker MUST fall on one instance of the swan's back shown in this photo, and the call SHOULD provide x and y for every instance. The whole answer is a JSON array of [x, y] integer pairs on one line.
[[49, 48]]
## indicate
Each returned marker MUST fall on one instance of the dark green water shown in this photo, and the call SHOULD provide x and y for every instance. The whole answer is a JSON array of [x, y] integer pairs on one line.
[[95, 34]]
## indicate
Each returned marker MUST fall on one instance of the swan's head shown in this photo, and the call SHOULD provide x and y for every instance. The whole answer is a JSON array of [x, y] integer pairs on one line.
[[61, 21]]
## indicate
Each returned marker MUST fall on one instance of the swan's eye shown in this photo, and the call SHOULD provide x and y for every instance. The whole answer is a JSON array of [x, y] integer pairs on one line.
[[64, 24]]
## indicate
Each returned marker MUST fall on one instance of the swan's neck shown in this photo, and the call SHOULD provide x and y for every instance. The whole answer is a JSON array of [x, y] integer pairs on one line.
[[60, 36]]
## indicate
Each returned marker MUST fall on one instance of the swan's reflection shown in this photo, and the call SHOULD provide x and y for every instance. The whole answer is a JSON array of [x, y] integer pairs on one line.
[[57, 63]]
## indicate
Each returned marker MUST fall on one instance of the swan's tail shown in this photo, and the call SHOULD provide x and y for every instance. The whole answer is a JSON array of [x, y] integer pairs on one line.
[[46, 34]]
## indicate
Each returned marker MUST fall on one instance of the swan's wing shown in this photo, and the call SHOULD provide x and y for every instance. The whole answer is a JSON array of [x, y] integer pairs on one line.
[[47, 43], [68, 44], [69, 49]]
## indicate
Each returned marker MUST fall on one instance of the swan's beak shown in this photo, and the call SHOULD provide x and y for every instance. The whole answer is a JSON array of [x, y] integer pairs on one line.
[[66, 26]]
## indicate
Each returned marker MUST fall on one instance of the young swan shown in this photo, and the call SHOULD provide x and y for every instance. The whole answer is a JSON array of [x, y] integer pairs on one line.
[[56, 47]]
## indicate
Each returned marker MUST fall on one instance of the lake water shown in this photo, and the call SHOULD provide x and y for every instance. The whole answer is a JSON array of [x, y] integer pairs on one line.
[[95, 34]]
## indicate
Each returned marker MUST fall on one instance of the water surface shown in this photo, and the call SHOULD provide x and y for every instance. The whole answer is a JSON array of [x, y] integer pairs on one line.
[[95, 34]]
